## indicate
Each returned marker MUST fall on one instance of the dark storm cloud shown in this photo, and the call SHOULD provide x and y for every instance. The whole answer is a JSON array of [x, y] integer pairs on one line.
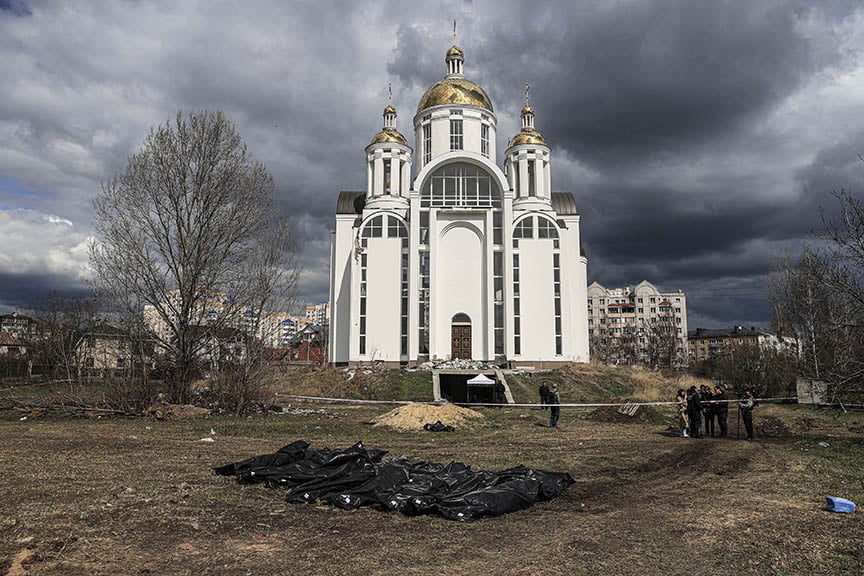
[[699, 138], [25, 290], [15, 7]]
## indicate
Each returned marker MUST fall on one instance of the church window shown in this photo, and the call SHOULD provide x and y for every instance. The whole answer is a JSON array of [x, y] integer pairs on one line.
[[517, 326], [396, 228], [460, 185], [388, 164], [498, 284], [362, 336], [484, 139], [556, 293], [546, 229], [424, 227], [427, 143], [531, 188], [374, 228], [525, 228], [497, 230], [455, 134], [423, 310], [403, 335]]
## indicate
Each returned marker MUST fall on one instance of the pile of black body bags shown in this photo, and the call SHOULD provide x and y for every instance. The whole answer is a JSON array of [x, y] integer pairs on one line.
[[356, 477]]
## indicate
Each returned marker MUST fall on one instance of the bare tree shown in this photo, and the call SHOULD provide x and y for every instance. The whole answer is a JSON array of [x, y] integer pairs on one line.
[[190, 230], [61, 323]]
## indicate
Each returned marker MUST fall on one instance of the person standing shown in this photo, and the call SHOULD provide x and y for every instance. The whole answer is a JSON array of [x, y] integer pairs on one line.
[[694, 411], [544, 395], [554, 399], [746, 405], [681, 404], [721, 410], [708, 409]]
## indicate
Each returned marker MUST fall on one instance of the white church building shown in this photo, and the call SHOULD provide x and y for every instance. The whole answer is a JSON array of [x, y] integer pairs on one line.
[[445, 255]]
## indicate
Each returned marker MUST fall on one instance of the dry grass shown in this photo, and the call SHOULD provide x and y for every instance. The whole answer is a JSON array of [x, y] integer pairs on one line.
[[134, 496]]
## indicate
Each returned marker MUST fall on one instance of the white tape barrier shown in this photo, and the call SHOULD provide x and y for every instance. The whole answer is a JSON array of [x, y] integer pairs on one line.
[[487, 404]]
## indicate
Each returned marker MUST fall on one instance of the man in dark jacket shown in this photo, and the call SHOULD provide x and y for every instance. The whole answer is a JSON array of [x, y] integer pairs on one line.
[[746, 405], [544, 395], [707, 409], [721, 409], [694, 411], [554, 399]]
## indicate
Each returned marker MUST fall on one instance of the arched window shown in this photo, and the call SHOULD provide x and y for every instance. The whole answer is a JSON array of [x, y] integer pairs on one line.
[[460, 185]]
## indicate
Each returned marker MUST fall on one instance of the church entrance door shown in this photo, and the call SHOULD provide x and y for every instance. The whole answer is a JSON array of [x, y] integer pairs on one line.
[[460, 332]]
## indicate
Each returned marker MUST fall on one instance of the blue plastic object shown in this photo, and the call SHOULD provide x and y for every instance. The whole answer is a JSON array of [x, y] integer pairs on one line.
[[834, 504]]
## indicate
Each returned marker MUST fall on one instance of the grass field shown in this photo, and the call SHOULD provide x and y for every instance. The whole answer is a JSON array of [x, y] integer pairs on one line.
[[137, 496]]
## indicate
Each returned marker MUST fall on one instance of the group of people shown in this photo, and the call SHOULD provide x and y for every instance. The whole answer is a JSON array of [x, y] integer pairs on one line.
[[550, 398], [699, 409]]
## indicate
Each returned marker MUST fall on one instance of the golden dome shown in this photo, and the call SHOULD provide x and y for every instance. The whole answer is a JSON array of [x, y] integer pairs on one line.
[[389, 135], [454, 51], [527, 110], [455, 91], [389, 109], [527, 136]]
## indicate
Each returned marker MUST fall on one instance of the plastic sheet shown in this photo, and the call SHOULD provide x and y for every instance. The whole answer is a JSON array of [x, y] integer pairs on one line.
[[438, 427], [356, 477]]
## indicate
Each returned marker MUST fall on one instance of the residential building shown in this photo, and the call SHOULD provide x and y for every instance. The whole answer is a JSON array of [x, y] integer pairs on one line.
[[17, 325], [709, 344], [11, 345], [445, 255], [308, 346], [641, 325], [318, 314]]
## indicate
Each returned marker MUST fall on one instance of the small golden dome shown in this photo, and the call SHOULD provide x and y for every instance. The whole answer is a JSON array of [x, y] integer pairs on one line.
[[453, 52], [527, 136], [455, 91], [527, 110], [389, 135], [389, 109]]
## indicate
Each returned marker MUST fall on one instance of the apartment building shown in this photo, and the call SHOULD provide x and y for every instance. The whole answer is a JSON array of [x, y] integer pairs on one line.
[[640, 325]]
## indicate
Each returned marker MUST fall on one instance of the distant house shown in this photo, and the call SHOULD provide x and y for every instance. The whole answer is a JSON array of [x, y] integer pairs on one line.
[[709, 344], [17, 325], [105, 349], [309, 346], [11, 346]]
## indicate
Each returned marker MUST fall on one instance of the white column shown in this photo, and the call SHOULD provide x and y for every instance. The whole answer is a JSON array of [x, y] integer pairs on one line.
[[539, 175], [523, 176], [406, 177], [548, 176], [369, 176], [378, 179]]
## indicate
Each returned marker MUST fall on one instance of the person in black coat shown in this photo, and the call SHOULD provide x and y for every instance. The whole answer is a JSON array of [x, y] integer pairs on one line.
[[694, 411], [707, 409], [554, 399], [746, 405], [544, 396], [721, 410]]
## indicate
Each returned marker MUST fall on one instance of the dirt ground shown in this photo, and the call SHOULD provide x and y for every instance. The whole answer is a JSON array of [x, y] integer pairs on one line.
[[137, 496]]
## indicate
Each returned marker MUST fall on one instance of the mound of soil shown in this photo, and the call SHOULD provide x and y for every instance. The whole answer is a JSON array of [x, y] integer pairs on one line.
[[772, 426], [414, 416]]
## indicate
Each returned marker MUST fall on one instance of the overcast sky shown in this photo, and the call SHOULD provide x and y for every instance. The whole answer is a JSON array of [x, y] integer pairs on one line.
[[699, 138]]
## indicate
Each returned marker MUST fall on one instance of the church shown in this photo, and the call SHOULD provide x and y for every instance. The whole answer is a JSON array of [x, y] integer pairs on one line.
[[446, 255]]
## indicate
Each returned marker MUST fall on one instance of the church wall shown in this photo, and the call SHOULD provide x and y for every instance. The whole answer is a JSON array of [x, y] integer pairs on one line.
[[459, 284], [340, 286], [537, 311], [574, 292], [382, 299]]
